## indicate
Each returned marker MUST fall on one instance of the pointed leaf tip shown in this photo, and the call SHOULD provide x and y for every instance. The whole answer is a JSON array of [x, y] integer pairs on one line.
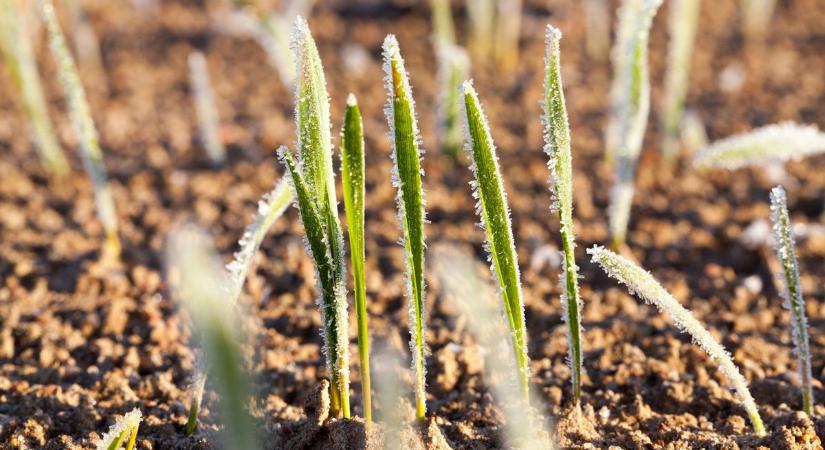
[[351, 100]]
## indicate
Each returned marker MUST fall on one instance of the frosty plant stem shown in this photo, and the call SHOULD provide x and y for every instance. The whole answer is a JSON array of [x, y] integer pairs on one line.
[[84, 127], [352, 177], [557, 146], [197, 278], [786, 252], [644, 286], [629, 107], [406, 156], [314, 186], [495, 220], [123, 430], [205, 108], [683, 21], [15, 45]]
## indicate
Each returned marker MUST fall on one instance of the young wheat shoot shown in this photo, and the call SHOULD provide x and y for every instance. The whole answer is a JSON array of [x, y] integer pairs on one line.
[[406, 155], [494, 213], [482, 16], [443, 27], [352, 179], [197, 278], [508, 29], [597, 26], [643, 285], [196, 393], [123, 430], [683, 21], [557, 147], [630, 105], [207, 115], [84, 126], [786, 253], [453, 68], [766, 145], [15, 45]]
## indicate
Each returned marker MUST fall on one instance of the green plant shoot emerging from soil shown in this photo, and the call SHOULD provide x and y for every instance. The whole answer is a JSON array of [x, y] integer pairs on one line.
[[495, 220], [352, 179], [643, 285], [786, 252], [84, 126], [557, 146], [314, 185], [15, 45], [123, 430], [771, 144], [406, 156]]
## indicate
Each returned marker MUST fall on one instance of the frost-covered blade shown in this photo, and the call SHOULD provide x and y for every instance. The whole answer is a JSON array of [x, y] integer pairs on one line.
[[124, 428], [770, 144]]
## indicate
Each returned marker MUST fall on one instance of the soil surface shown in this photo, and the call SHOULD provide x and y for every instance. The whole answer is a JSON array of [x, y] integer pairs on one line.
[[82, 342]]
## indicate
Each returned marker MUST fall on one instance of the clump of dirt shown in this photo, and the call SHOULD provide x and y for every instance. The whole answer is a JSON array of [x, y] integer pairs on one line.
[[82, 343]]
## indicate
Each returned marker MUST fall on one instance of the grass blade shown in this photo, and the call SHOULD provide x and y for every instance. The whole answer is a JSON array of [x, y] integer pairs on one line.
[[453, 68], [333, 301], [786, 253], [508, 30], [15, 45], [443, 27], [84, 126], [495, 220], [629, 106], [557, 147], [204, 98], [352, 177], [197, 396], [683, 22], [643, 285], [124, 428], [198, 280], [766, 145], [597, 26], [406, 155], [482, 16]]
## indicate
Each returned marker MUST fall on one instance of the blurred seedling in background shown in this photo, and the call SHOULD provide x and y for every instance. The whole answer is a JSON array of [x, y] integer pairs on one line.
[[494, 213], [207, 114], [495, 28], [683, 21], [123, 432], [86, 45], [756, 17], [558, 148], [18, 56], [81, 117], [313, 182], [792, 292], [406, 177], [197, 280], [629, 108], [642, 284], [597, 24]]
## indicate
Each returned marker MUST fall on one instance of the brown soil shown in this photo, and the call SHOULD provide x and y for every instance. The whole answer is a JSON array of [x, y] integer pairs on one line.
[[81, 343]]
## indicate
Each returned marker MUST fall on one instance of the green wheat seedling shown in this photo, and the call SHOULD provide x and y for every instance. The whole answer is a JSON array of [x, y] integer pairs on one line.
[[313, 182], [629, 106], [557, 147], [766, 145], [196, 394], [406, 177], [443, 26], [508, 30], [643, 285], [482, 17], [494, 213], [683, 21], [453, 68], [15, 45], [84, 126], [85, 41], [786, 253], [597, 25], [207, 114], [352, 178], [198, 282], [124, 430]]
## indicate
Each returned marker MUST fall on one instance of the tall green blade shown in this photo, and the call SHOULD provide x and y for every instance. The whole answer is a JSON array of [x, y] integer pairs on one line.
[[495, 220], [15, 45], [352, 176], [786, 253], [84, 126], [333, 301], [406, 155], [557, 146]]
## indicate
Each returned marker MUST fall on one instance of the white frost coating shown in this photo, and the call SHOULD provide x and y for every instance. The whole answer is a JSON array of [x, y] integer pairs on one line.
[[270, 207], [792, 294], [125, 424], [769, 144], [468, 89], [392, 52], [204, 98], [642, 284]]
